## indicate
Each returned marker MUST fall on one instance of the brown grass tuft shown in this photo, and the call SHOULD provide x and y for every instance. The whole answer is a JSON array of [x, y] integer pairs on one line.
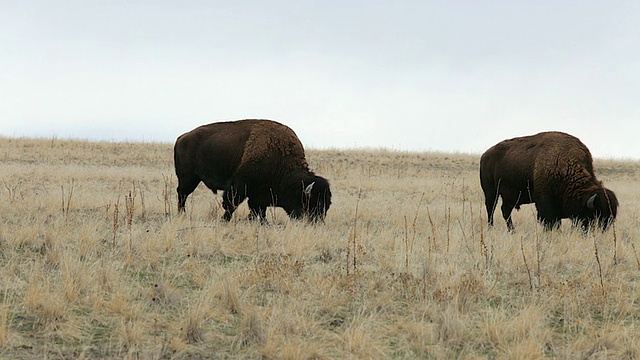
[[4, 322]]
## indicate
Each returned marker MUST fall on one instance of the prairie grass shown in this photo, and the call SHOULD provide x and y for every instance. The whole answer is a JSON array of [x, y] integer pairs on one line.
[[95, 263]]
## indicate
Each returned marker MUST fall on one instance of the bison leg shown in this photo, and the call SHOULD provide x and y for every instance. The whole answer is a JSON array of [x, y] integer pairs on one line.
[[258, 211], [490, 202], [547, 214], [490, 190], [506, 214], [231, 198], [186, 185], [549, 223]]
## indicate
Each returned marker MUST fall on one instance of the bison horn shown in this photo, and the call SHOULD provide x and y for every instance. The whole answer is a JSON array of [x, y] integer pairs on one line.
[[307, 190], [590, 202]]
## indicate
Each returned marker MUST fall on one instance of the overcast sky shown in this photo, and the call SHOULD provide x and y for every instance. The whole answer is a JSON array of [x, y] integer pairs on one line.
[[405, 75]]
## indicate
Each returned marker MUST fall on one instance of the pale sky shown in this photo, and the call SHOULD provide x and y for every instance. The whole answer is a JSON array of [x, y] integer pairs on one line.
[[404, 75]]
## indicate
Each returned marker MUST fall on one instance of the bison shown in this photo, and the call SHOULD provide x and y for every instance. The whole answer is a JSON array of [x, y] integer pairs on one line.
[[262, 160], [554, 170]]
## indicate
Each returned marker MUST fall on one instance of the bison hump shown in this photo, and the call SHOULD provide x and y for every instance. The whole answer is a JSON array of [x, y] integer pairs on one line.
[[273, 142]]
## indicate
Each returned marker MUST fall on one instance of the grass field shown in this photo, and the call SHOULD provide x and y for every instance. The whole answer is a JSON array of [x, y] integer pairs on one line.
[[95, 263]]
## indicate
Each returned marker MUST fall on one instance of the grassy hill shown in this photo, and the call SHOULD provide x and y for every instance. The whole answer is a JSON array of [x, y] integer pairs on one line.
[[95, 262]]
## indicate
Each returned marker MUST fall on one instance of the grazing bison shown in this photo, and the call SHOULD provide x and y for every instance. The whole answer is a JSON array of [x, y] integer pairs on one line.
[[257, 159], [554, 170]]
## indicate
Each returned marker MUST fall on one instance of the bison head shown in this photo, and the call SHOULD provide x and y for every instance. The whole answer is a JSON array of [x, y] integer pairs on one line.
[[600, 207], [316, 199]]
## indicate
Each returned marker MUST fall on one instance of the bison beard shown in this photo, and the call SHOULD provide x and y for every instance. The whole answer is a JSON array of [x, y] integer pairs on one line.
[[261, 160], [554, 170]]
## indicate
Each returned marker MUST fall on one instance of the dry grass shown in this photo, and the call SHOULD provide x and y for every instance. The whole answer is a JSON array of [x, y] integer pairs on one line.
[[95, 263]]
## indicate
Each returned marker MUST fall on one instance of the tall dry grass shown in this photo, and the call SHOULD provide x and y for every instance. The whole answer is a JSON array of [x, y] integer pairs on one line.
[[95, 263]]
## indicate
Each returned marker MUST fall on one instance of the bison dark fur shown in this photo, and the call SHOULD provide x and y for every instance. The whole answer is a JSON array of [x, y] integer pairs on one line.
[[554, 170], [257, 159]]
